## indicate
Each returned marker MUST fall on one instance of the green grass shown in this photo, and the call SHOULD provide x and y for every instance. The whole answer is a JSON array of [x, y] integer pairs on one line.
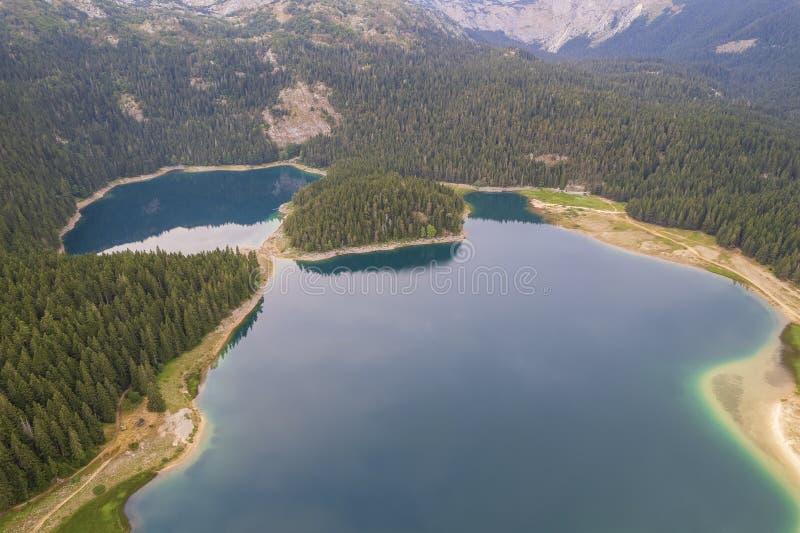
[[105, 513], [791, 349], [572, 200], [461, 190], [193, 382], [728, 274]]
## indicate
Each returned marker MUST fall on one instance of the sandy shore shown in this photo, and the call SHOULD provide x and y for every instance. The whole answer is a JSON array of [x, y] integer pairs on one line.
[[755, 397], [100, 193], [750, 397]]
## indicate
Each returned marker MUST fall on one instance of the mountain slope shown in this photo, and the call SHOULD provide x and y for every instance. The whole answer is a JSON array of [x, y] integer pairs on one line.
[[550, 25], [751, 46], [411, 95]]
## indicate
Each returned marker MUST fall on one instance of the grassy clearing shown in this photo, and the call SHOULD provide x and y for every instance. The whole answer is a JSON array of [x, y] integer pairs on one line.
[[791, 349], [106, 512], [461, 190], [728, 274], [691, 237], [622, 226], [572, 200], [180, 378]]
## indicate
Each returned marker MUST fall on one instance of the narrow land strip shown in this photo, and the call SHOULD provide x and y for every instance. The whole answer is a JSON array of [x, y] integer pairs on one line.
[[160, 441]]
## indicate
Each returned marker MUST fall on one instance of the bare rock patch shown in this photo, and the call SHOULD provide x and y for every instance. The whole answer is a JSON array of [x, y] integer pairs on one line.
[[302, 113]]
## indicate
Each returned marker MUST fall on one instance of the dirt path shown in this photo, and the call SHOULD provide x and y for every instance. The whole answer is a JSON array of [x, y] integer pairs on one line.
[[790, 312], [46, 517], [782, 295], [110, 444]]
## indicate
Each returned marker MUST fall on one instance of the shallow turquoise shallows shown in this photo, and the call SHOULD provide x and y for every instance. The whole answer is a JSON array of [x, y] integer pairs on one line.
[[528, 380], [187, 211]]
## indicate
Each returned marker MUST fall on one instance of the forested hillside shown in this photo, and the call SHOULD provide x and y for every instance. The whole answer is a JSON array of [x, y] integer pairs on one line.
[[750, 47], [439, 108], [680, 156], [356, 205], [75, 332], [64, 132]]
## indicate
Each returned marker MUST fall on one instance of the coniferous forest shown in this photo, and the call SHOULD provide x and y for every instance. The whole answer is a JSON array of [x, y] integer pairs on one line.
[[354, 206], [75, 332], [440, 108]]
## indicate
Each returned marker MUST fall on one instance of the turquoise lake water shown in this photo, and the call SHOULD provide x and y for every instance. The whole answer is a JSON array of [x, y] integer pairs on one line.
[[528, 380]]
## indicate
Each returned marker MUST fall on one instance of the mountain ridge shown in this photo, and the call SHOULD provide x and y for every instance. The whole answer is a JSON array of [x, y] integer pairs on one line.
[[551, 25], [751, 47]]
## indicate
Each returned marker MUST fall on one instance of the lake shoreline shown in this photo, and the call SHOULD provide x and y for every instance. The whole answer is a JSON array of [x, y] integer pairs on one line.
[[100, 193], [235, 372], [769, 429], [312, 257], [747, 396], [787, 471]]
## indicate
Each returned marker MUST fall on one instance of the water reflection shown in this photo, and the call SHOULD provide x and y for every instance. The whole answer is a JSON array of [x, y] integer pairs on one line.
[[187, 212], [501, 207], [398, 260]]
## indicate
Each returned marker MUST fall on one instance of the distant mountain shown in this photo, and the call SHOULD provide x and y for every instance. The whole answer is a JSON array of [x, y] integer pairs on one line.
[[552, 24], [376, 20], [751, 46]]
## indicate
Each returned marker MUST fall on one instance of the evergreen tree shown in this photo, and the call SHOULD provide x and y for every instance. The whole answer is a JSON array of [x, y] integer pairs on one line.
[[155, 401]]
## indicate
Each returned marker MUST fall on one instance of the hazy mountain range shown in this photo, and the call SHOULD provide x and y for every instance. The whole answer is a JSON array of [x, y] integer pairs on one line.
[[751, 46]]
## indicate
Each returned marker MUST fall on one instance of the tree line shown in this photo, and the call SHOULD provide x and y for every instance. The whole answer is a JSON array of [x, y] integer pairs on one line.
[[659, 138]]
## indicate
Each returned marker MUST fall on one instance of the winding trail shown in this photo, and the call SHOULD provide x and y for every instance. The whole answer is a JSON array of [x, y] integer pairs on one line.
[[45, 518], [790, 311], [42, 521]]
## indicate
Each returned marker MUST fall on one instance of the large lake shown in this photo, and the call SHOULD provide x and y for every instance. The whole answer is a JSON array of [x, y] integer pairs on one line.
[[528, 380]]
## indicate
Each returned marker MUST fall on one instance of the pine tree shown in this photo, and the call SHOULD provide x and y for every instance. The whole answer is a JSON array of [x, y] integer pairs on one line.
[[155, 401]]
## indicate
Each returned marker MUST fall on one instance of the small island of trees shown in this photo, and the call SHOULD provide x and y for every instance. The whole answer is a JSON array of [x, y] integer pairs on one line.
[[356, 205]]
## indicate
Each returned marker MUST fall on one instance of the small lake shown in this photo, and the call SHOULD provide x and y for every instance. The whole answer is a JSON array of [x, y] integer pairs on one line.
[[187, 212], [527, 380]]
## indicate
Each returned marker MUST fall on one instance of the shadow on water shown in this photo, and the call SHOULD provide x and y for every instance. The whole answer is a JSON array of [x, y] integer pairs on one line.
[[400, 259], [242, 330], [501, 207]]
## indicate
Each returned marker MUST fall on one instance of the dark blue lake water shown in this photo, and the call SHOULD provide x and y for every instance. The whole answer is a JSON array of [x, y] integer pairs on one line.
[[528, 380], [187, 211]]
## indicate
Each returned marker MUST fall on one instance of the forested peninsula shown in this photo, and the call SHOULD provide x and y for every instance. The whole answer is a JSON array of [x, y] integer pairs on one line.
[[356, 205], [75, 332]]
